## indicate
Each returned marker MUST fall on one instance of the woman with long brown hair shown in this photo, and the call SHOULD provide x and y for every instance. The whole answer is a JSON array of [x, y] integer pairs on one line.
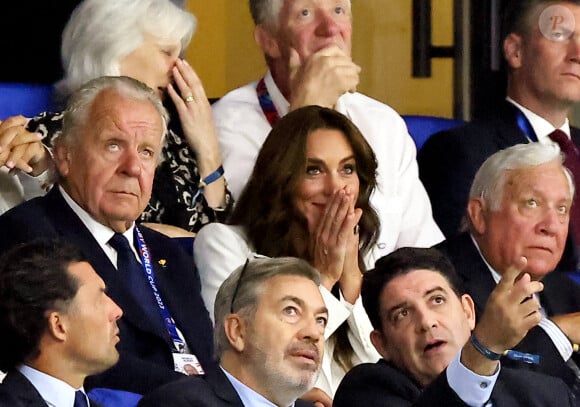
[[308, 197]]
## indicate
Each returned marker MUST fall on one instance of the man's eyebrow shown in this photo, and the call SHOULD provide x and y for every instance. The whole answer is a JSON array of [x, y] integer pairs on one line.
[[404, 304], [302, 304]]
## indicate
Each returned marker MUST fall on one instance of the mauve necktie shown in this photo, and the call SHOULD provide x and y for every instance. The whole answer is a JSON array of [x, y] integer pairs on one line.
[[80, 399], [133, 273], [572, 162]]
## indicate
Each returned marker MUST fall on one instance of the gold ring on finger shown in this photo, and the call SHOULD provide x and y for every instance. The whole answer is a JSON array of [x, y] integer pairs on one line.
[[189, 99]]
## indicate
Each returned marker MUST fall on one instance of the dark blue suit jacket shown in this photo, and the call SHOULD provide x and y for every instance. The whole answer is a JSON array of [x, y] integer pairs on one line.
[[145, 348], [382, 384], [17, 391], [212, 390], [560, 296], [449, 160]]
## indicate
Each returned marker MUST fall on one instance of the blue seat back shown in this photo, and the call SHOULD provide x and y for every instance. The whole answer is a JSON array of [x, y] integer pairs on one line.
[[422, 127], [27, 99]]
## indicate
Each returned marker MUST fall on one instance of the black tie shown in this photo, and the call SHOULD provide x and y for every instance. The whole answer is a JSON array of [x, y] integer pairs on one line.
[[132, 271], [572, 162], [80, 399]]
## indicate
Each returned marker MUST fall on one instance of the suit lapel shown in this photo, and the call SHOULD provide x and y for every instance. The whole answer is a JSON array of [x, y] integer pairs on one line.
[[509, 133], [22, 389], [472, 270], [71, 228], [223, 388]]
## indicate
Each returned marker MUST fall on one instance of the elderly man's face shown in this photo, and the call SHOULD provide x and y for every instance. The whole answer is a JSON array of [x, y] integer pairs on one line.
[[531, 222], [109, 172], [311, 25]]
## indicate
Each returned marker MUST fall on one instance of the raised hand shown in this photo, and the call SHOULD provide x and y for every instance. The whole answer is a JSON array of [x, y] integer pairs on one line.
[[511, 311], [322, 78], [196, 119], [334, 244]]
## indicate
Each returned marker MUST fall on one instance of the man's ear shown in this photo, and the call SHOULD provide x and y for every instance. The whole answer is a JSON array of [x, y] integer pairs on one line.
[[378, 341], [267, 41], [476, 212], [512, 50], [469, 309], [235, 330], [57, 326], [62, 159]]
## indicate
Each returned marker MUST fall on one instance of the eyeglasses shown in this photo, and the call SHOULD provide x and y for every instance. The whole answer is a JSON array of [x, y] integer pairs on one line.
[[238, 285]]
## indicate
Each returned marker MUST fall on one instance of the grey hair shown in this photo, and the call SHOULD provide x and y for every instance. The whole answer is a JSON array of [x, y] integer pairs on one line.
[[79, 103], [491, 178], [265, 11], [249, 290], [100, 33]]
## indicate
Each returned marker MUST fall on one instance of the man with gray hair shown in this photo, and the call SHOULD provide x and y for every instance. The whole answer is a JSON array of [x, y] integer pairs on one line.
[[269, 339], [112, 135], [519, 208], [307, 47]]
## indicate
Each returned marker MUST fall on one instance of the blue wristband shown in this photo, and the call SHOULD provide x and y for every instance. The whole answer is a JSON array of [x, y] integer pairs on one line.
[[510, 354], [482, 349], [214, 176]]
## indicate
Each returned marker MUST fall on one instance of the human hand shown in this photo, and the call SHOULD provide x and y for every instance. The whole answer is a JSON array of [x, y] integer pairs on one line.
[[21, 149], [198, 127], [193, 108], [334, 244], [322, 78], [318, 397], [511, 310]]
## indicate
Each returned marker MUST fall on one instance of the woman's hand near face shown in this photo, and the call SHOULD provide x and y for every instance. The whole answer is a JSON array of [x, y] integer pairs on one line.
[[196, 119], [335, 245]]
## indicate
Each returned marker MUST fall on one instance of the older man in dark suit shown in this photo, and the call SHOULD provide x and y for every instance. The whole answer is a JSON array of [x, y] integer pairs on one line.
[[519, 208], [543, 65], [106, 157]]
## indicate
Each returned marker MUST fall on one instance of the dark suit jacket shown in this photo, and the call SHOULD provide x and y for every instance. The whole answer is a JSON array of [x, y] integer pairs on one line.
[[449, 160], [382, 384], [17, 391], [212, 390], [145, 348], [560, 296]]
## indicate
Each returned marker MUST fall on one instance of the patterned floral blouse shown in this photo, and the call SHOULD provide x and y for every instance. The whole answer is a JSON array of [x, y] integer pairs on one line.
[[176, 199]]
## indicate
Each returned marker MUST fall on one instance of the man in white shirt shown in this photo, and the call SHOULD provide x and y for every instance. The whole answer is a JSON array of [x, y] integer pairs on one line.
[[433, 353], [58, 325], [307, 46]]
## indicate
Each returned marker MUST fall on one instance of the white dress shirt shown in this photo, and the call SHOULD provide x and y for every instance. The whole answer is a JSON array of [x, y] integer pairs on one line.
[[53, 391]]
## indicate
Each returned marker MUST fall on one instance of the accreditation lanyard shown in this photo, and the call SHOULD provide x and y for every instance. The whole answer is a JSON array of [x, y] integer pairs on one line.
[[145, 256], [266, 103], [525, 126]]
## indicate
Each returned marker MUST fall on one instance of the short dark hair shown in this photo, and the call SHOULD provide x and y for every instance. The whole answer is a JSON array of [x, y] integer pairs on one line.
[[34, 279], [516, 14], [400, 262]]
